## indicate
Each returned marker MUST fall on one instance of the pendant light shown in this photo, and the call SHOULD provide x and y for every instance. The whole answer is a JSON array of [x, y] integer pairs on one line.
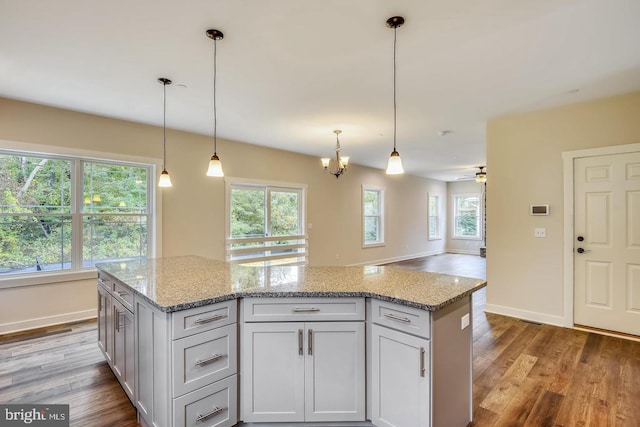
[[165, 180], [394, 167], [215, 165]]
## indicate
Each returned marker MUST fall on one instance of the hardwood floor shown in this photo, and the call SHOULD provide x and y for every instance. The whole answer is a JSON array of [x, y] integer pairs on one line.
[[524, 374]]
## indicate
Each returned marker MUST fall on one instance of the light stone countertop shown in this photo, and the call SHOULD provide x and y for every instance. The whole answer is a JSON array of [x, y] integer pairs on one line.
[[180, 283]]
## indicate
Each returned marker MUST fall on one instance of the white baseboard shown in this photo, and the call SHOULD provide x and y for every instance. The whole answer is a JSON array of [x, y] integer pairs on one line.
[[42, 322], [531, 316], [463, 251], [397, 259]]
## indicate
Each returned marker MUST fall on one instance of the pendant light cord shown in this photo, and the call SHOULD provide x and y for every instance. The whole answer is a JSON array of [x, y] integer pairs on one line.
[[394, 88], [164, 126], [215, 113]]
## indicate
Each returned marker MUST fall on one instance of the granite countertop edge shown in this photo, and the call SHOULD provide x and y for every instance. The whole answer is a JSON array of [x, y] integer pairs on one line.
[[309, 294]]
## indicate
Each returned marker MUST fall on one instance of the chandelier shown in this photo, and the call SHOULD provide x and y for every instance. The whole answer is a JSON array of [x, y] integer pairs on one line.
[[340, 163]]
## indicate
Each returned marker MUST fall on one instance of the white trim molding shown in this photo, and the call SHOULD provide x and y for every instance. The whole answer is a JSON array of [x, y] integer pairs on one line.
[[568, 158], [42, 322], [531, 316]]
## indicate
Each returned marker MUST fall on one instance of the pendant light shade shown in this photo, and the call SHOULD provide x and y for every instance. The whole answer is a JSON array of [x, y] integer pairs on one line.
[[165, 179], [394, 167], [215, 165]]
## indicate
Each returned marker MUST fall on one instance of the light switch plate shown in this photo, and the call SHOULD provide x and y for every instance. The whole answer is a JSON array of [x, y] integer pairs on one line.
[[540, 232]]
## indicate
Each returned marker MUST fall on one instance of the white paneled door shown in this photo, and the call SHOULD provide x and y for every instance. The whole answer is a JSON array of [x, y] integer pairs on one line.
[[607, 242]]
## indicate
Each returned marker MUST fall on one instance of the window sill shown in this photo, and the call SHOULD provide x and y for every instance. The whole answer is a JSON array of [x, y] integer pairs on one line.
[[46, 279], [467, 238], [372, 245]]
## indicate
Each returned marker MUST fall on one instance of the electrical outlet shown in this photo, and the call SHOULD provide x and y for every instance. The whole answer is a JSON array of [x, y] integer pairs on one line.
[[464, 321], [540, 232]]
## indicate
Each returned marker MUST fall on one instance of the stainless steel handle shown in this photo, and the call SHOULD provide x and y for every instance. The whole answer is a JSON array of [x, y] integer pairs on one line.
[[215, 411], [398, 318], [306, 310], [210, 319], [310, 343], [120, 294], [300, 342], [422, 364], [209, 359], [116, 320]]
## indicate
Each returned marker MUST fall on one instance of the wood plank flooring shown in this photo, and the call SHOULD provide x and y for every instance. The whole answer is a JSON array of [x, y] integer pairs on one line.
[[524, 374]]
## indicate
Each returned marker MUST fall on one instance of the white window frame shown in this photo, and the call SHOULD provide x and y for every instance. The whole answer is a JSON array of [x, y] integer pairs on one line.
[[266, 256], [381, 216], [438, 235], [154, 206], [454, 214]]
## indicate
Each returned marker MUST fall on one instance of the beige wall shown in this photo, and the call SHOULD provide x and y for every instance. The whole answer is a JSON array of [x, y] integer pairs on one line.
[[193, 209], [524, 164], [461, 246]]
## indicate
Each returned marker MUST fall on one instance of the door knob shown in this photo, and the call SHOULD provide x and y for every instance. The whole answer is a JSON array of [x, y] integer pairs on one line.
[[581, 250]]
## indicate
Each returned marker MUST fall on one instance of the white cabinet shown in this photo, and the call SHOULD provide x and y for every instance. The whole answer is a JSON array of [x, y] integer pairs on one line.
[[401, 379], [187, 365], [420, 365], [105, 325], [116, 332], [296, 370], [123, 347]]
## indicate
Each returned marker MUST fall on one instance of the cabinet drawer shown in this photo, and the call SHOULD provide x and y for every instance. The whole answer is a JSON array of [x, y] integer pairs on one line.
[[105, 281], [406, 319], [211, 406], [200, 319], [303, 309], [204, 358], [124, 295]]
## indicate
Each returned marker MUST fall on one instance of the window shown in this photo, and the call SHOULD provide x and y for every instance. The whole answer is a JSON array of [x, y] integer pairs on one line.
[[266, 224], [434, 218], [466, 216], [66, 213], [372, 216]]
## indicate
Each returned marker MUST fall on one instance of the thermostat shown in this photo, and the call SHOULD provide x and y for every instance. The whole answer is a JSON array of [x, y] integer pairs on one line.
[[539, 209]]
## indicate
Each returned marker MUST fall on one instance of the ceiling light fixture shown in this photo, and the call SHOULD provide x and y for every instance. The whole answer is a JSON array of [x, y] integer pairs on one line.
[[394, 166], [341, 161], [165, 179], [215, 165], [481, 176]]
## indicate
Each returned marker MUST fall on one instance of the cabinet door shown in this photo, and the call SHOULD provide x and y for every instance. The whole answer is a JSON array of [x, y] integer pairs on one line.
[[334, 371], [401, 379], [123, 347], [273, 372], [105, 325]]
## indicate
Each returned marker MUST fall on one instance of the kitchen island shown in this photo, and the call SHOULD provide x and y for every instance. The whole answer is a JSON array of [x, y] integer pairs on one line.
[[200, 342]]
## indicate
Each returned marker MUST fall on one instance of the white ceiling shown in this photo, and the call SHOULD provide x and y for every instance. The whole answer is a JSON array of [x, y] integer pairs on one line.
[[292, 71]]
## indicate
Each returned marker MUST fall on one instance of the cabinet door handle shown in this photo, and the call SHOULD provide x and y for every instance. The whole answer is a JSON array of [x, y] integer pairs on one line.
[[116, 318], [310, 349], [209, 359], [210, 319], [300, 344], [398, 318], [306, 310], [215, 411], [422, 362]]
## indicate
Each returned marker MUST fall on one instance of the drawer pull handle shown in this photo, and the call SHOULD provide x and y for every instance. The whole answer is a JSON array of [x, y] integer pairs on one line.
[[422, 364], [121, 294], [300, 339], [306, 310], [398, 318], [215, 411], [209, 359], [210, 319]]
